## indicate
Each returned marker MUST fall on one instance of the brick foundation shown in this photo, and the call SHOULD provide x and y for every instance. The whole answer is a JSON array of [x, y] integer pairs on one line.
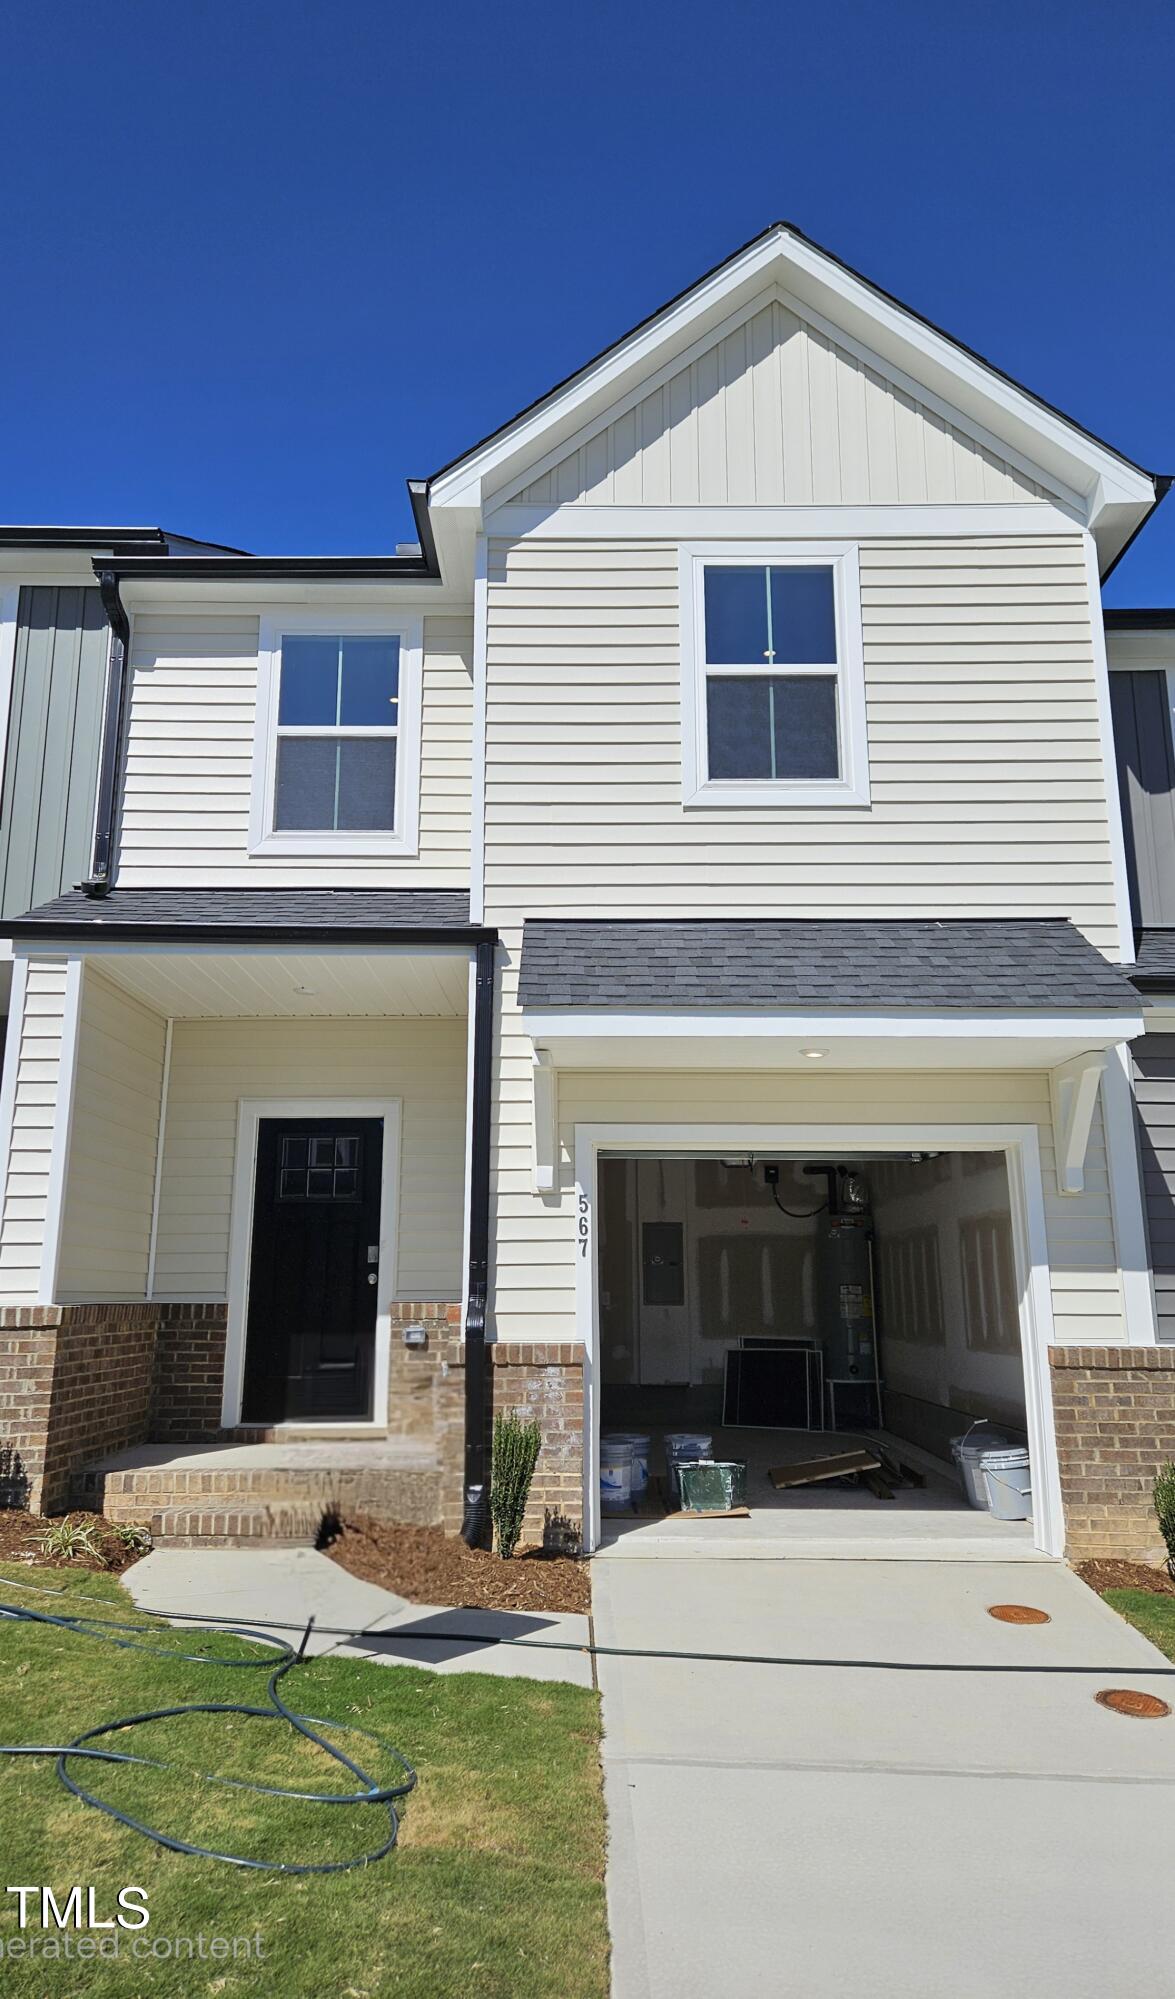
[[427, 1399], [1115, 1418]]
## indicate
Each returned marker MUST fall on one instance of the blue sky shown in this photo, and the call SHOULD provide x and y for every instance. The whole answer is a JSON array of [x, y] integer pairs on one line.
[[265, 261]]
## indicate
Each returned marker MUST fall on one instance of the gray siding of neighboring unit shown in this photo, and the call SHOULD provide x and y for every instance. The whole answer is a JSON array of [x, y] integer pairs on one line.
[[1146, 779], [51, 768], [1154, 1087]]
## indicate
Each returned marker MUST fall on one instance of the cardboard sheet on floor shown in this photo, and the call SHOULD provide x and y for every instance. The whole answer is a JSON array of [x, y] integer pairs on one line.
[[711, 1513], [838, 1464]]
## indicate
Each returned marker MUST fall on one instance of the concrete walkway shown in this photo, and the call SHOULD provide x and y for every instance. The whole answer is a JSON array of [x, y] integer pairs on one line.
[[275, 1587], [932, 1806]]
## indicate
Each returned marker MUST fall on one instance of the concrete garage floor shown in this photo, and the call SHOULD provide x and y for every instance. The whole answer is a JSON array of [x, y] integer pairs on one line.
[[972, 1825]]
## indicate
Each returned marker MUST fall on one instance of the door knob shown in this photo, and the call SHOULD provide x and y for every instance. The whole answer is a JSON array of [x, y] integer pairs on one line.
[[372, 1278]]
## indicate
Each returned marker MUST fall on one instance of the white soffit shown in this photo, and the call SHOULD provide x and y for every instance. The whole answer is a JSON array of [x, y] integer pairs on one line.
[[290, 985], [1115, 493]]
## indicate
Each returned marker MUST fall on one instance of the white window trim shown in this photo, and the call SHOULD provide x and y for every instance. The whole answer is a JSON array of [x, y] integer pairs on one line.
[[852, 786], [405, 840]]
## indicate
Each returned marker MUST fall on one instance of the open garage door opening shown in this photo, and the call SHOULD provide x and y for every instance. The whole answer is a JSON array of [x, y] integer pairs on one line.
[[794, 1309]]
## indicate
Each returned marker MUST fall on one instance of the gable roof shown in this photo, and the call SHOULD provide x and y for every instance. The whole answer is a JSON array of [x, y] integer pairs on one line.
[[1099, 483]]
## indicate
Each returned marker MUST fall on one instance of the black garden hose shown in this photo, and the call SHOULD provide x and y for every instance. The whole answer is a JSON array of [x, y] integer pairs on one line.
[[280, 1659]]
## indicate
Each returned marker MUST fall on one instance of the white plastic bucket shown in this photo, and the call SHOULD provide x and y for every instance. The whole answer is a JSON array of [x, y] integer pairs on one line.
[[615, 1475], [1008, 1479], [969, 1452], [640, 1440]]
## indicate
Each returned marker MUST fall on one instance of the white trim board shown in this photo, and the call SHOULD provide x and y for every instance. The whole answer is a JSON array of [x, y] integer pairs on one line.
[[67, 1072], [1018, 1142], [570, 522], [9, 610], [250, 1111], [1117, 825]]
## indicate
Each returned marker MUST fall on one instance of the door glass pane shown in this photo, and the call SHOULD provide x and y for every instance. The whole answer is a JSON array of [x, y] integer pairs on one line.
[[309, 682], [371, 678], [736, 615], [304, 797], [772, 728], [367, 784], [803, 617]]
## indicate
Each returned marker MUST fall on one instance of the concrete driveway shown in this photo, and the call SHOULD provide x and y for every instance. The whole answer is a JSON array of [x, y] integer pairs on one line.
[[932, 1807]]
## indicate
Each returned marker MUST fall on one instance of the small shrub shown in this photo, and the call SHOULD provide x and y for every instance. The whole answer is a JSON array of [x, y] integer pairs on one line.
[[66, 1539], [133, 1539], [515, 1452], [1165, 1509]]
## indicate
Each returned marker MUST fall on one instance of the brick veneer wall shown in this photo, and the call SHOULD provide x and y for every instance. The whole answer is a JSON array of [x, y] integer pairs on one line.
[[1115, 1418], [75, 1381], [189, 1373], [427, 1399]]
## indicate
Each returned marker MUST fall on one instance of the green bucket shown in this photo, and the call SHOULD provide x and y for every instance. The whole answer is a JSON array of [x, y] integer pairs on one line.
[[707, 1487]]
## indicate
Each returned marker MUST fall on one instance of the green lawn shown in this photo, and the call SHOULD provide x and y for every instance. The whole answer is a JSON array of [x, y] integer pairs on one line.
[[495, 1889], [1153, 1615]]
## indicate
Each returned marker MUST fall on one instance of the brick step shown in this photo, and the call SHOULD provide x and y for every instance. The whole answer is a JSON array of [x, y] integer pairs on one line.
[[234, 1526], [408, 1493]]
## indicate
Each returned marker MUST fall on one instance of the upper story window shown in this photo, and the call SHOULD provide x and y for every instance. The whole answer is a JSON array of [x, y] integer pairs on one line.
[[773, 703], [337, 750]]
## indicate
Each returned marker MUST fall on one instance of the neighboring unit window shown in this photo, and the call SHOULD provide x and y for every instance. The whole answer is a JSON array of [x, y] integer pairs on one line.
[[337, 731], [776, 701]]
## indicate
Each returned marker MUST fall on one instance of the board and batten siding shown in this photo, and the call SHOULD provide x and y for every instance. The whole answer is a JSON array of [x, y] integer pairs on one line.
[[54, 732], [776, 414], [106, 1230], [216, 1063], [189, 762], [536, 1241], [985, 753], [1154, 1092], [1141, 705], [38, 1074]]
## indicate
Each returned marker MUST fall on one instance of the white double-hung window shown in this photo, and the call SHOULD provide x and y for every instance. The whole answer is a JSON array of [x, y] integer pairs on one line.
[[336, 765], [773, 697]]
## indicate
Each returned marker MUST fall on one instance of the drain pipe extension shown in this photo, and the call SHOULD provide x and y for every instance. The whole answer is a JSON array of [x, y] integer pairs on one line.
[[476, 1494], [97, 883]]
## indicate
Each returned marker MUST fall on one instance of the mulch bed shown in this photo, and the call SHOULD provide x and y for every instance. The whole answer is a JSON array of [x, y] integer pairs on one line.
[[1102, 1576], [19, 1532], [429, 1566]]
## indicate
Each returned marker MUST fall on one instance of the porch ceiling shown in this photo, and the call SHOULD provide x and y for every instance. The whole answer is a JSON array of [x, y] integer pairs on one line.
[[295, 985]]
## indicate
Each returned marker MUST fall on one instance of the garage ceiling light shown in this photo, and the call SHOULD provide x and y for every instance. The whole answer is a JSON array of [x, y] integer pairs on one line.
[[814, 1054]]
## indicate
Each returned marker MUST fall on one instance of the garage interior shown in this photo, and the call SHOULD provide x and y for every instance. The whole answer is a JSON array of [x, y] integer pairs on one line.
[[796, 1307]]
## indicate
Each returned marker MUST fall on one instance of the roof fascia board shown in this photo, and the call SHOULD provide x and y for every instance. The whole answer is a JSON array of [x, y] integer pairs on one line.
[[204, 938], [548, 1026], [965, 384]]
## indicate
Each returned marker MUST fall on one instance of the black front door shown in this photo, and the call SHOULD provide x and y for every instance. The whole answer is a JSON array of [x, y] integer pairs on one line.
[[313, 1282]]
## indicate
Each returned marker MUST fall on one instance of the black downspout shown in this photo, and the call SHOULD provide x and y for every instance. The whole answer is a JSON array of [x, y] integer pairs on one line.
[[97, 882], [476, 1495]]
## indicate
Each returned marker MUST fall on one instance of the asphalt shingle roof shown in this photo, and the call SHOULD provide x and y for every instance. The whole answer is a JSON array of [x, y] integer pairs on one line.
[[239, 910], [1155, 963], [767, 964]]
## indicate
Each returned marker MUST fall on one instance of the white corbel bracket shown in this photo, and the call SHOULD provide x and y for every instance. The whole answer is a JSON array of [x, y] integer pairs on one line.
[[1073, 1091], [546, 1122]]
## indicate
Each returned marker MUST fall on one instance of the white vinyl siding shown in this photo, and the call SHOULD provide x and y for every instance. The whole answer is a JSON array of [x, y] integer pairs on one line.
[[776, 414], [189, 762], [106, 1233], [38, 1074], [986, 761], [534, 1277], [215, 1063]]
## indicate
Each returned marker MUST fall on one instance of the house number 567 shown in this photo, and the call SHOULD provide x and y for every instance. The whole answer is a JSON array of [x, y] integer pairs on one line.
[[585, 1226]]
